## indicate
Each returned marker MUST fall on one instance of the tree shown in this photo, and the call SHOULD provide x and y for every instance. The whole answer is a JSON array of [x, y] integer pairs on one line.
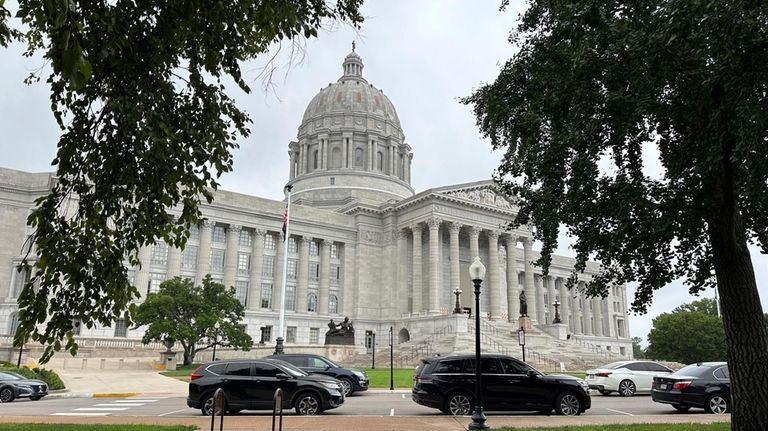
[[705, 306], [637, 349], [180, 311], [687, 337], [138, 90], [594, 94]]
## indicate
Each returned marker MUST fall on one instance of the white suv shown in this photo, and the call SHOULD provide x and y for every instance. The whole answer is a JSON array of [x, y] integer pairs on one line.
[[626, 377]]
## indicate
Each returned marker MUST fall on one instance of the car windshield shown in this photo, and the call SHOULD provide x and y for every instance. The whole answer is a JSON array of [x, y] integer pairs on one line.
[[613, 365], [7, 375], [292, 370], [333, 364]]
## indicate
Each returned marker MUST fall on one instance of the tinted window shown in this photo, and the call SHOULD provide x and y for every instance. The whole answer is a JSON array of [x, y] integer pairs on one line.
[[639, 366], [510, 366], [316, 363], [490, 366], [451, 366], [9, 376], [692, 370], [299, 361], [613, 365], [657, 368], [722, 373], [266, 370], [217, 368], [238, 369]]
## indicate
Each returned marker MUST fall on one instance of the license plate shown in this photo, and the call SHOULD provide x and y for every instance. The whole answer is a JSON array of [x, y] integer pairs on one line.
[[663, 386]]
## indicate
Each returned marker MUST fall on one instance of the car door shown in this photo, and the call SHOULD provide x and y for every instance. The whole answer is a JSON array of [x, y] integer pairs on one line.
[[641, 374], [319, 366], [237, 383], [493, 382], [266, 382], [524, 391]]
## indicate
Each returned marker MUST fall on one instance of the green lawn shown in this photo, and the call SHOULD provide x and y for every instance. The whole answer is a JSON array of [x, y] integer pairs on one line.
[[723, 426], [379, 378], [181, 371], [97, 427]]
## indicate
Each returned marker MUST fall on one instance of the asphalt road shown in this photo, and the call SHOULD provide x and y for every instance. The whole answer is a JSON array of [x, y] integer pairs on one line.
[[364, 404]]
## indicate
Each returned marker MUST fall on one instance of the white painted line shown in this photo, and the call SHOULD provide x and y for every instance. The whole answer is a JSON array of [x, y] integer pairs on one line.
[[119, 405], [392, 412], [175, 411], [79, 414], [403, 395], [135, 400], [619, 411], [101, 409]]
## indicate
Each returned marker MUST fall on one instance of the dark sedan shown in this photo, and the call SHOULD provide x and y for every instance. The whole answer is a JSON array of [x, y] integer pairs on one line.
[[352, 380], [13, 386], [704, 385]]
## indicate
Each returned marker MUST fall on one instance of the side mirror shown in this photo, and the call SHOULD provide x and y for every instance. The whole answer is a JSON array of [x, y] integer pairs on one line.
[[282, 376], [532, 373]]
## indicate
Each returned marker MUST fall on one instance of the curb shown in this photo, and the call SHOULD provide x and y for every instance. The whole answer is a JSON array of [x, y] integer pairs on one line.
[[114, 394]]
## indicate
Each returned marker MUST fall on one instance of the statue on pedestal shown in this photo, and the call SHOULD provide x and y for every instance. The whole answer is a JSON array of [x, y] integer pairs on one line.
[[523, 305], [343, 333]]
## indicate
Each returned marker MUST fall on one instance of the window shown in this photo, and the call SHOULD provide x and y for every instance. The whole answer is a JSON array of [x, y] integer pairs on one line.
[[334, 251], [314, 271], [218, 235], [243, 263], [490, 366], [314, 335], [245, 239], [379, 161], [269, 241], [290, 297], [217, 260], [511, 366], [335, 274], [22, 276], [317, 363], [336, 157], [290, 334], [312, 302], [722, 373], [292, 269], [359, 158], [155, 279], [217, 369], [160, 254], [266, 370], [314, 159], [268, 266], [120, 329], [333, 304], [238, 369], [189, 257], [241, 291], [266, 295], [293, 246], [314, 248], [450, 366], [14, 324], [194, 233], [266, 333]]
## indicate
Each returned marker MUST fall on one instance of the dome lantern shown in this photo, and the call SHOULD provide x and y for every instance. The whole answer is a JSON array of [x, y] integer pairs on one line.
[[353, 65]]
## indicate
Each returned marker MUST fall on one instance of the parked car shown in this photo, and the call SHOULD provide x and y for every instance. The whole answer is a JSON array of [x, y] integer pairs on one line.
[[251, 385], [448, 383], [704, 385], [626, 377], [351, 379], [14, 386]]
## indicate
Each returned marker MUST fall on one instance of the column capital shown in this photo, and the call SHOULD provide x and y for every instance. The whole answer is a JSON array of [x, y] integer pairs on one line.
[[527, 242], [305, 240], [234, 228], [259, 232], [493, 235], [434, 223], [454, 227], [402, 234], [208, 223], [511, 240], [325, 242], [418, 227], [474, 231]]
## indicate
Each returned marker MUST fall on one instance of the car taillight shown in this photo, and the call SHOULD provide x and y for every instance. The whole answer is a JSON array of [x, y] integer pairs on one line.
[[681, 385], [422, 379], [653, 384], [603, 374], [196, 374]]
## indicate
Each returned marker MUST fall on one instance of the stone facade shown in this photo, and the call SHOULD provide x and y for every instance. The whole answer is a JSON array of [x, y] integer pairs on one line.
[[362, 244]]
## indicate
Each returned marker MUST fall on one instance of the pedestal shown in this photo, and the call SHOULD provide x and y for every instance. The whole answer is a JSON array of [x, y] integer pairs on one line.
[[169, 360], [557, 330], [525, 323]]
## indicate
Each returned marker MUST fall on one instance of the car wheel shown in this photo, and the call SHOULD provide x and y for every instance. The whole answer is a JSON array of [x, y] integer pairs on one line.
[[346, 387], [34, 398], [459, 404], [7, 395], [568, 404], [627, 388], [680, 408], [605, 393], [206, 407], [308, 404], [717, 404]]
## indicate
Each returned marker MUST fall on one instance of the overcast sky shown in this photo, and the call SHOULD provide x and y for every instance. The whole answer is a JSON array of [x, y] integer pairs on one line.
[[422, 54]]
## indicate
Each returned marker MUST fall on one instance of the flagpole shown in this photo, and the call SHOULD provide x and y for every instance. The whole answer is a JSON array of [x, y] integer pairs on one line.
[[281, 321]]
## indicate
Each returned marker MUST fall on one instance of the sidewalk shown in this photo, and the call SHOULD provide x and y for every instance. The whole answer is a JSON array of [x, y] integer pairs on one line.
[[96, 383]]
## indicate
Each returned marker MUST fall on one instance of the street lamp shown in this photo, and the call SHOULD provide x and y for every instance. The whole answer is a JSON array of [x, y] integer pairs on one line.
[[216, 327], [391, 359], [457, 307], [556, 304], [373, 350], [521, 340], [477, 273]]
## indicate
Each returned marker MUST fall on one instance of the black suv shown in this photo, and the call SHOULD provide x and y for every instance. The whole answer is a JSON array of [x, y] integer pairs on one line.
[[251, 385], [351, 379], [448, 383]]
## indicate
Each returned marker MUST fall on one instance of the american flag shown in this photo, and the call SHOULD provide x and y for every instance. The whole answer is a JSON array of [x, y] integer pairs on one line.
[[285, 222]]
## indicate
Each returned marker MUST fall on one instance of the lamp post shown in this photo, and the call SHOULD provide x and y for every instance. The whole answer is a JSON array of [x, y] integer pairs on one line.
[[556, 304], [477, 273], [216, 327], [457, 307], [391, 359], [521, 340], [373, 350]]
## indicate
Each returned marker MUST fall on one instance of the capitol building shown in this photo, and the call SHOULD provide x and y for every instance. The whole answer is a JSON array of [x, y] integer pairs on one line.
[[362, 244]]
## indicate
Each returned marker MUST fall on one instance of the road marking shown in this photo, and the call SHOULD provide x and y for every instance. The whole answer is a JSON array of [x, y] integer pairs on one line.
[[135, 400], [101, 409], [175, 411], [392, 412], [403, 396], [119, 405], [619, 411], [79, 414]]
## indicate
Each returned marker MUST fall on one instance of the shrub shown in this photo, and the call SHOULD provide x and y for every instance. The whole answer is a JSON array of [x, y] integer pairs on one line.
[[48, 376]]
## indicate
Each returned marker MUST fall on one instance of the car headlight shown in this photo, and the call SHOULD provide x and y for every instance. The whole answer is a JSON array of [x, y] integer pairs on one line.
[[584, 385], [331, 385], [359, 374]]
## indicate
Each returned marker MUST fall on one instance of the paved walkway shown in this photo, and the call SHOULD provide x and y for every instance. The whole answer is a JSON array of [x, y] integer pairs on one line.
[[91, 382]]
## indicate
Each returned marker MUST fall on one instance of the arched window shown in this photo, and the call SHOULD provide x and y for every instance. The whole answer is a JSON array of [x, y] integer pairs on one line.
[[314, 159], [379, 161], [333, 304], [359, 157], [14, 324], [336, 158], [312, 303]]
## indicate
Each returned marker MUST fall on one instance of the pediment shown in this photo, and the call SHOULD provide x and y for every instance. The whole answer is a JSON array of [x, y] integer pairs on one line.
[[484, 195]]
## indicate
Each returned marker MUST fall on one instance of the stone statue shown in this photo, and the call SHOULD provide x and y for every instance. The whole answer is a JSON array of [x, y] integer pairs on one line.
[[346, 327], [343, 333], [332, 328], [523, 305]]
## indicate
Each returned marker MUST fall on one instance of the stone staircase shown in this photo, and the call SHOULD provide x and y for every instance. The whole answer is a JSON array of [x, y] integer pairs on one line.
[[542, 351]]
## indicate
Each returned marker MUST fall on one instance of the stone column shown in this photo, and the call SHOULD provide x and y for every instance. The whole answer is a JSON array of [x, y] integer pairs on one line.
[[370, 155], [277, 293], [417, 269], [513, 297], [230, 256], [494, 278], [434, 265], [453, 229], [409, 162], [587, 329], [204, 252], [564, 309], [376, 156], [325, 152], [257, 261], [474, 243], [597, 307], [174, 261], [303, 275], [530, 290], [577, 328], [142, 272], [551, 295], [402, 268], [325, 277], [345, 140], [541, 306]]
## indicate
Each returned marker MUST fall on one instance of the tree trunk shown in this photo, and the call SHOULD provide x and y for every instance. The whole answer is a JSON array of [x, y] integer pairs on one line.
[[189, 354], [745, 332]]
